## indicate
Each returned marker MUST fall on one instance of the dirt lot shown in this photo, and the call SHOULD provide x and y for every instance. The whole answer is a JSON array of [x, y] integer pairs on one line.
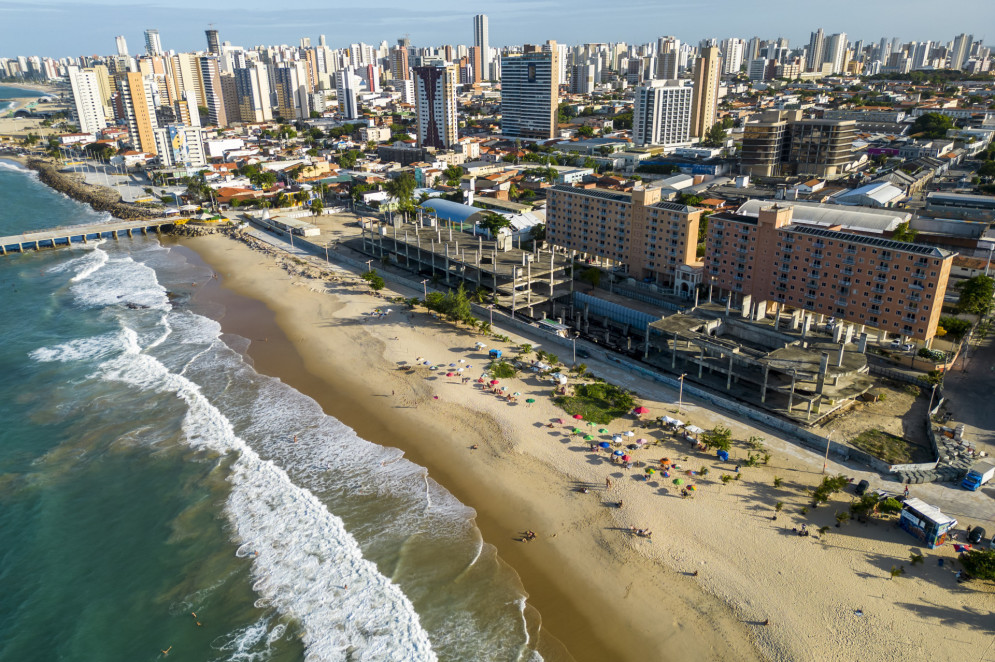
[[899, 412]]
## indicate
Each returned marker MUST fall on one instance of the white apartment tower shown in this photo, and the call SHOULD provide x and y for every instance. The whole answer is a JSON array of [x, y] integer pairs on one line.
[[87, 99], [662, 113], [122, 45], [482, 41], [668, 57], [816, 46], [529, 95], [732, 56], [435, 99], [835, 53], [152, 44], [346, 88], [960, 50], [253, 92]]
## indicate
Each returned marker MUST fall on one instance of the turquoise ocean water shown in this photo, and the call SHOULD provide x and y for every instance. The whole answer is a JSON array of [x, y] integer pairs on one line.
[[148, 473]]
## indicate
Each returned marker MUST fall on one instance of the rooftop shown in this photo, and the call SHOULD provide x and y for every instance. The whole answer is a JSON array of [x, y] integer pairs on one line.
[[888, 244]]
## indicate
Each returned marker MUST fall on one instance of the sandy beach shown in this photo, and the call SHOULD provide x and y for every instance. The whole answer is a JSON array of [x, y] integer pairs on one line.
[[720, 578]]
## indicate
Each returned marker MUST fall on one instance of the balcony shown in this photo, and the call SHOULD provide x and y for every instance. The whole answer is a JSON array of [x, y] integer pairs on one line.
[[912, 309], [788, 239], [878, 289], [810, 295], [877, 299], [847, 271], [915, 297], [845, 282], [788, 249], [909, 319], [915, 285], [841, 302], [848, 260], [785, 269], [850, 250], [918, 273], [883, 267], [880, 279], [817, 254], [820, 244], [814, 274], [885, 256]]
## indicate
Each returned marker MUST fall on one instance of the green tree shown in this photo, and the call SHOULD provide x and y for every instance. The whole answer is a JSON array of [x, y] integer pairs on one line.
[[591, 276], [585, 131], [493, 222], [976, 295], [932, 125], [402, 189], [955, 327], [979, 563], [538, 233], [375, 280], [904, 233], [317, 206], [987, 169], [715, 136], [718, 437], [452, 175]]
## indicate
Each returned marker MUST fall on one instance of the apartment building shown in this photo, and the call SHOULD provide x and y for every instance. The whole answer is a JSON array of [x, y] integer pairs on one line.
[[651, 238], [777, 143], [893, 286], [662, 113], [435, 100], [87, 100], [135, 95], [529, 95], [706, 91]]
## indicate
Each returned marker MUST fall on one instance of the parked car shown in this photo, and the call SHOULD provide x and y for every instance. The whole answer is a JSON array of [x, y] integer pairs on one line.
[[862, 487], [976, 535]]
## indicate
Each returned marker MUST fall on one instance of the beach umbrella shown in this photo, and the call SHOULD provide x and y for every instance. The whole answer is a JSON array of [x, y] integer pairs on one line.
[[619, 453], [626, 458], [641, 410], [460, 370], [560, 421], [516, 393], [588, 438], [462, 360], [452, 365], [480, 381], [632, 447], [650, 470], [629, 433], [590, 424], [577, 430], [666, 474], [450, 374], [664, 460], [605, 444], [692, 488], [578, 417], [530, 400], [603, 431], [480, 345], [504, 388], [494, 382], [678, 481], [640, 441], [617, 439]]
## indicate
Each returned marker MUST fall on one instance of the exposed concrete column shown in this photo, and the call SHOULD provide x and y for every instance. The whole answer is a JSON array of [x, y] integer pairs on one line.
[[729, 374], [528, 285], [796, 317], [433, 256], [808, 414], [587, 317], [883, 337], [839, 356], [673, 354], [552, 272], [823, 367], [747, 306], [777, 315], [710, 292], [701, 360], [791, 394], [728, 304], [806, 321], [696, 297], [848, 334], [838, 332], [763, 388], [407, 250], [646, 348], [862, 344]]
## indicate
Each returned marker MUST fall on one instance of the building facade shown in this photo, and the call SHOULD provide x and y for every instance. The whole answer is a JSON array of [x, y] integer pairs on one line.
[[435, 100], [346, 90], [529, 96], [893, 286], [210, 74], [180, 145], [481, 39], [87, 100], [662, 113], [153, 46], [706, 91], [253, 93], [135, 94], [652, 239]]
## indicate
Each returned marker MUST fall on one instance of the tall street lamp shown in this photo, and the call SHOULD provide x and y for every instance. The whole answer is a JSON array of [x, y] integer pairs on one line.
[[680, 396], [825, 462]]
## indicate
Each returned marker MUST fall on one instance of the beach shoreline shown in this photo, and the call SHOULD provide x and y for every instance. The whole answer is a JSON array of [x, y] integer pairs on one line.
[[600, 589]]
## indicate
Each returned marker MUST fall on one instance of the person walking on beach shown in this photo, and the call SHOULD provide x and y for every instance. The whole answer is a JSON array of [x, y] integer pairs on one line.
[[608, 483], [906, 491]]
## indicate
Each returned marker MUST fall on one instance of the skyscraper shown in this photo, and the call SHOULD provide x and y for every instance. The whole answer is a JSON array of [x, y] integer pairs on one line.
[[835, 54], [668, 51], [252, 90], [960, 50], [399, 67], [435, 100], [122, 45], [213, 42], [213, 94], [87, 100], [346, 88], [816, 46], [152, 44], [136, 96], [529, 96], [481, 41], [706, 91], [290, 81], [662, 113], [732, 56]]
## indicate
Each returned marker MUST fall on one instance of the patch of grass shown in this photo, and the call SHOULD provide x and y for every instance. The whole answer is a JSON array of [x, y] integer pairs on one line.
[[888, 447], [599, 402], [502, 370]]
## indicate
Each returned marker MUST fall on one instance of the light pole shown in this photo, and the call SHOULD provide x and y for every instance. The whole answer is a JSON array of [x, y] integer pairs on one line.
[[424, 285], [369, 267], [490, 309], [825, 462], [326, 253], [680, 395], [989, 263]]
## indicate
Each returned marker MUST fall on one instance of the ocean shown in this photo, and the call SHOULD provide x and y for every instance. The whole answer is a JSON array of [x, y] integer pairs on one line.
[[158, 494], [9, 92]]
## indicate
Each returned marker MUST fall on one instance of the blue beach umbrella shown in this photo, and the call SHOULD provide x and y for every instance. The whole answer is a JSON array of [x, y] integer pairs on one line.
[[605, 444]]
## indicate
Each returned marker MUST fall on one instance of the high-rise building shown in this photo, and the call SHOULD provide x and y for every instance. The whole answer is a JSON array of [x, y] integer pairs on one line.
[[186, 76], [252, 90], [399, 67], [291, 87], [960, 50], [821, 147], [213, 42], [662, 113], [921, 55], [835, 54], [732, 56], [435, 99], [893, 286], [135, 93], [180, 145], [765, 142], [346, 89], [87, 100], [668, 54], [152, 44], [481, 40], [122, 45], [213, 94], [582, 79], [529, 95], [816, 47], [706, 91]]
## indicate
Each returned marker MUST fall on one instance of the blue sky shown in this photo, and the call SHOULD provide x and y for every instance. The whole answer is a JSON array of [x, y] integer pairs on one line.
[[76, 27]]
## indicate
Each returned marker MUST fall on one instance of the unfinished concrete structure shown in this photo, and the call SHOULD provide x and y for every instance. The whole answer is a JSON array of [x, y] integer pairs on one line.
[[518, 280]]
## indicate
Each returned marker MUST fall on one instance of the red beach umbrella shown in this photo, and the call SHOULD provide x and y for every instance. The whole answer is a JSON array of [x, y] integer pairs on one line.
[[578, 416], [494, 382], [641, 410]]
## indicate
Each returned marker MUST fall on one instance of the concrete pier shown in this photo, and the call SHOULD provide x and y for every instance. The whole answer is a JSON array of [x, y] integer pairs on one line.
[[66, 235]]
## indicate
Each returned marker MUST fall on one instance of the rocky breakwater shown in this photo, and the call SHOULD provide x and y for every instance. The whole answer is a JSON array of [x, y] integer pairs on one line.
[[100, 198]]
